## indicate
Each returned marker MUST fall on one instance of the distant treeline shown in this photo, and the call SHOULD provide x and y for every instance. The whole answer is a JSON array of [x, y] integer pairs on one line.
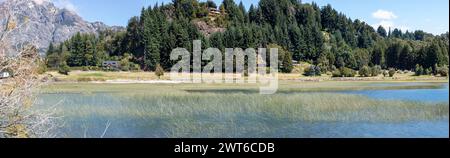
[[321, 36]]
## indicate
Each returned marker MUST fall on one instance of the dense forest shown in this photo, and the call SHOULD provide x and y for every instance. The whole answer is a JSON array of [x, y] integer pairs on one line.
[[320, 36]]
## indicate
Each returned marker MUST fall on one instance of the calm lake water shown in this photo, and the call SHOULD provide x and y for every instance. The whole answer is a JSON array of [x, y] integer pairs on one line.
[[86, 115], [425, 95]]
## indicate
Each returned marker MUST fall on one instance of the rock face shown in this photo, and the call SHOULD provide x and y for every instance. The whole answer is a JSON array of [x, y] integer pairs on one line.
[[41, 23], [206, 29]]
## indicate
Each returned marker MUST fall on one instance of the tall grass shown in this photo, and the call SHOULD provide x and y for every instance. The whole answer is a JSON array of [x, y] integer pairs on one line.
[[301, 107], [165, 111]]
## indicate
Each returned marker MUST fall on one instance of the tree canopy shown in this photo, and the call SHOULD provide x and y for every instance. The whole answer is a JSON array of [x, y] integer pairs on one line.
[[307, 32]]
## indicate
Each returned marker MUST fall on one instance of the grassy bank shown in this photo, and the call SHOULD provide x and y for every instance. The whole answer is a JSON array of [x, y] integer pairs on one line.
[[89, 76], [284, 87]]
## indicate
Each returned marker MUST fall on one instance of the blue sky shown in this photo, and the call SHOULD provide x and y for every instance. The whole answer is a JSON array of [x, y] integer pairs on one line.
[[430, 16]]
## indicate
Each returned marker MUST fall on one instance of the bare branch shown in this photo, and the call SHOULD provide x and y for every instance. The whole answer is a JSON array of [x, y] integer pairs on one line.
[[106, 129], [18, 117]]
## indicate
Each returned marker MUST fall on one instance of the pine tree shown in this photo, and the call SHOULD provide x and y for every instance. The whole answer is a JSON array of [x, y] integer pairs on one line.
[[51, 49], [253, 14], [52, 56], [329, 18], [381, 31], [296, 40], [132, 39], [432, 55], [397, 33], [242, 13], [151, 39], [378, 54], [320, 36]]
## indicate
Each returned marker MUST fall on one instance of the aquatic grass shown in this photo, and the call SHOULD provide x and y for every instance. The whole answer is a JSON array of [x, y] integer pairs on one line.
[[174, 111], [306, 107], [284, 87], [201, 115]]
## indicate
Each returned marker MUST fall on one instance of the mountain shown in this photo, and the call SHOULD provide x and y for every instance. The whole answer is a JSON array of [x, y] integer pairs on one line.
[[42, 23]]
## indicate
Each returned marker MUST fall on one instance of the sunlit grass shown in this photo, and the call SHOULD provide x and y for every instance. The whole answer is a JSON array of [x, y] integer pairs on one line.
[[74, 76], [221, 110], [303, 107], [284, 87]]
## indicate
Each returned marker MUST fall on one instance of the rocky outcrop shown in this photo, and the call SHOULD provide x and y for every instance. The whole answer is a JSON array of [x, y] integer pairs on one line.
[[40, 22], [206, 29]]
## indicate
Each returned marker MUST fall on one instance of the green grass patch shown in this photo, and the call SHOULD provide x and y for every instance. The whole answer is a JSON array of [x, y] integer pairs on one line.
[[92, 75]]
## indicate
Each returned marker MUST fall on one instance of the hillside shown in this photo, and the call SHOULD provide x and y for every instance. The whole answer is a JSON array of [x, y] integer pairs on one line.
[[305, 32]]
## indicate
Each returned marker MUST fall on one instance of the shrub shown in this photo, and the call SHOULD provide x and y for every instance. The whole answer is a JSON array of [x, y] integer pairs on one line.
[[443, 71], [419, 70], [287, 66], [95, 68], [344, 72], [428, 71], [159, 71], [392, 72], [85, 68], [385, 73], [64, 69], [333, 68], [313, 71], [124, 64], [365, 71], [125, 68], [42, 68], [336, 73], [135, 67], [347, 72], [309, 71], [318, 70], [376, 70]]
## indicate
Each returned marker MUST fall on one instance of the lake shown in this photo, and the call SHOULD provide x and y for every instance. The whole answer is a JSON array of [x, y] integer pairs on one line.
[[167, 111], [427, 95]]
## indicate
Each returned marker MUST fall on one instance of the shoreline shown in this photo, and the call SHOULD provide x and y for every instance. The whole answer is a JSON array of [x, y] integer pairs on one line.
[[150, 78], [301, 80]]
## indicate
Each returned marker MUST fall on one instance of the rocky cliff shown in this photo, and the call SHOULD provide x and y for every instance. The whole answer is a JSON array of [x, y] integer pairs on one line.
[[41, 22]]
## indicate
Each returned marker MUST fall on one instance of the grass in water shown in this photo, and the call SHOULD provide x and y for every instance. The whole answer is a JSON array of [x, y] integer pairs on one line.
[[166, 111]]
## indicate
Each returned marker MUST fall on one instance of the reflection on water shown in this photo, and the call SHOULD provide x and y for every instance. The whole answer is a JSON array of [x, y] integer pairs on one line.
[[157, 128]]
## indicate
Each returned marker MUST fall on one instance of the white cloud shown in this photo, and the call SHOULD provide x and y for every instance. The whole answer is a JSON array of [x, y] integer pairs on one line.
[[384, 15], [66, 4], [62, 4], [39, 2], [387, 20]]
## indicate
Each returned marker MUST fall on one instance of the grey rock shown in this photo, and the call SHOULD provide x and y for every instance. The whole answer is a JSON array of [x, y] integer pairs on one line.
[[43, 23]]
